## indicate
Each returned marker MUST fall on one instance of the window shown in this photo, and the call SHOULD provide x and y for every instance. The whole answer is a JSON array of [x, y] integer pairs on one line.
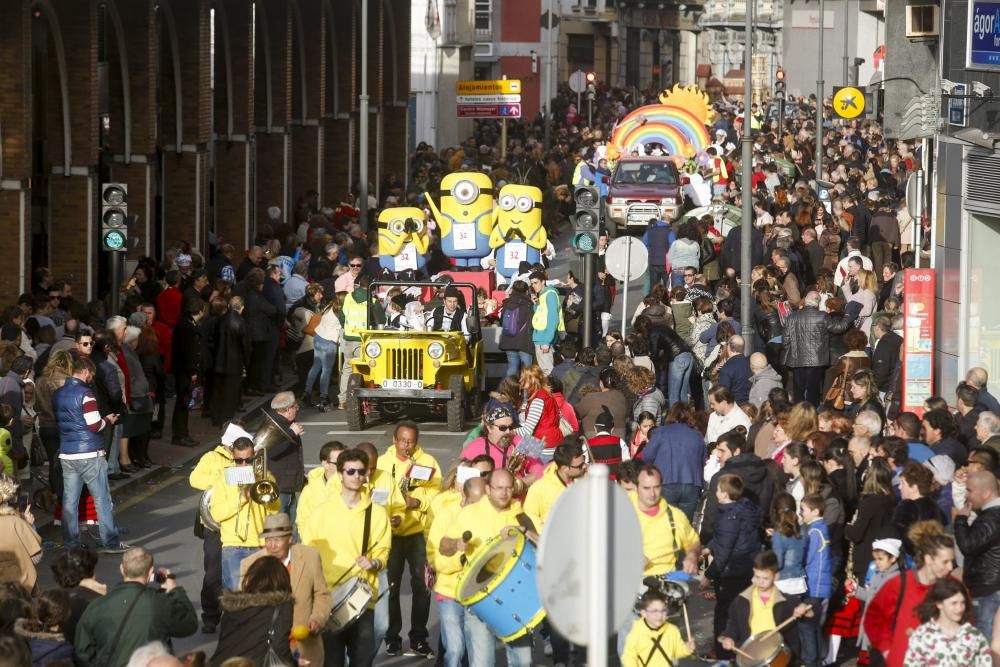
[[921, 20], [580, 52], [484, 18]]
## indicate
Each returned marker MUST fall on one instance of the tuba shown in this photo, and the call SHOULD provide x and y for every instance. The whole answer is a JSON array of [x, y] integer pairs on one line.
[[204, 511], [264, 491]]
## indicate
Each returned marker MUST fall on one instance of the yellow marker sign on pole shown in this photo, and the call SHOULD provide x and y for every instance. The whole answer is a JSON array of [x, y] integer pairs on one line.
[[496, 87], [848, 102]]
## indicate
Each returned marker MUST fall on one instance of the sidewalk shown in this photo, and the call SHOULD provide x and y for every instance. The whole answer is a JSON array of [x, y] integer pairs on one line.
[[167, 457]]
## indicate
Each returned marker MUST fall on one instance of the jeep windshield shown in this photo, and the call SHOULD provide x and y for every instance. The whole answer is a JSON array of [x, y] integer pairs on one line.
[[639, 173]]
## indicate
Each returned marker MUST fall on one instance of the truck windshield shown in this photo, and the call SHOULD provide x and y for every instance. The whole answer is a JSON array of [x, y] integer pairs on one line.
[[637, 172]]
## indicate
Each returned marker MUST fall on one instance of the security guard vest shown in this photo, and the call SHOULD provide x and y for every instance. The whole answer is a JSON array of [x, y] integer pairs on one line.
[[355, 317], [540, 319]]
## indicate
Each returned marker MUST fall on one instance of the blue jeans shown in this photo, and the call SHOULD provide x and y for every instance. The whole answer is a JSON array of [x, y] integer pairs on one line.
[[516, 361], [231, 559], [290, 505], [94, 473], [381, 623], [811, 634], [324, 356], [986, 608], [452, 619], [114, 448], [679, 378], [480, 642], [685, 497]]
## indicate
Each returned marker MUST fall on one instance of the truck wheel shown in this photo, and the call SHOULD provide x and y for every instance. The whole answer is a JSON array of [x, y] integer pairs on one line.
[[353, 408], [456, 406], [475, 403]]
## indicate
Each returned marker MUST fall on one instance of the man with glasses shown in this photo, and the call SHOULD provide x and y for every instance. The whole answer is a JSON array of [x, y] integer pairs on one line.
[[353, 537], [81, 454], [240, 518], [345, 283], [498, 442]]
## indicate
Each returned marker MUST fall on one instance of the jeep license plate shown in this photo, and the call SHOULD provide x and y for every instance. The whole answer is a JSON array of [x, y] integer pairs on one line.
[[402, 384]]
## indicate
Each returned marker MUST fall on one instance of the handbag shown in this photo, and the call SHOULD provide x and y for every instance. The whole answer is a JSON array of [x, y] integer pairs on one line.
[[310, 328], [271, 658], [835, 394]]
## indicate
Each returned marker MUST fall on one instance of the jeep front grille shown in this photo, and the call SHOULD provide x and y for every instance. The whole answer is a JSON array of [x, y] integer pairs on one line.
[[406, 364]]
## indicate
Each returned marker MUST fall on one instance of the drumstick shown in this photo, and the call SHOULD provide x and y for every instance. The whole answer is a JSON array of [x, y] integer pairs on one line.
[[466, 537], [744, 654], [789, 620], [343, 576], [687, 621]]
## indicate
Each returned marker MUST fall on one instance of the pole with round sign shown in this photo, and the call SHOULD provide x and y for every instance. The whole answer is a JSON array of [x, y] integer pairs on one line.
[[626, 259]]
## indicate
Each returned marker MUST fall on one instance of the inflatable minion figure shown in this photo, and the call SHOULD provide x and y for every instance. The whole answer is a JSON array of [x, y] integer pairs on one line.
[[518, 235], [465, 218], [402, 240]]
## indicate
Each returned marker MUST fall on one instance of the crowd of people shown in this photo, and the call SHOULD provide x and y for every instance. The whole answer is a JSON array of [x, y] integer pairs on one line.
[[789, 482]]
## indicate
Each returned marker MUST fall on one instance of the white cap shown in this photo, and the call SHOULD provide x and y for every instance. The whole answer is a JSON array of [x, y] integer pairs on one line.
[[943, 468], [889, 545]]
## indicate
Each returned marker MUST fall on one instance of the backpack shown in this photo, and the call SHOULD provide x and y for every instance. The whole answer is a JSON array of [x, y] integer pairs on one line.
[[510, 322]]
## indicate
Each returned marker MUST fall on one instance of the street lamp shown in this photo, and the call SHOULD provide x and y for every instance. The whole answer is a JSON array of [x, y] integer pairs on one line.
[[819, 92], [363, 122], [746, 190]]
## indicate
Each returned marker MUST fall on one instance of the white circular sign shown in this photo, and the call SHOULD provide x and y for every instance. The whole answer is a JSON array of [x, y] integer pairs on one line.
[[627, 258], [578, 81]]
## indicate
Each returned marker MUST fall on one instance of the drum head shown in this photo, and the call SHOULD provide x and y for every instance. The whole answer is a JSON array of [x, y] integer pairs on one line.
[[488, 566], [342, 592], [763, 650]]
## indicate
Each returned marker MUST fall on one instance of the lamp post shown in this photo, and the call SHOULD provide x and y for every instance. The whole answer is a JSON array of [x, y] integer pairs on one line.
[[363, 122], [546, 92], [819, 92], [746, 190]]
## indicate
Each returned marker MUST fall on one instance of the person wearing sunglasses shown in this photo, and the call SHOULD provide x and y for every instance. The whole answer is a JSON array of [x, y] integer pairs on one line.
[[84, 344], [346, 282], [499, 442], [347, 549], [240, 518]]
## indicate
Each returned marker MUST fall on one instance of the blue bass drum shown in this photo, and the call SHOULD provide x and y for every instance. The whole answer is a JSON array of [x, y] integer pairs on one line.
[[500, 586]]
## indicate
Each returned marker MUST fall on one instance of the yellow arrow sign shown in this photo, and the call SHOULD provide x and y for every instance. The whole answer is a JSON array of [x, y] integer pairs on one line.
[[848, 102], [497, 87]]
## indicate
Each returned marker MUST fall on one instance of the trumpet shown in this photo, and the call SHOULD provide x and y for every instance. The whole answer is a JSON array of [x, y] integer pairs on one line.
[[405, 482], [515, 465]]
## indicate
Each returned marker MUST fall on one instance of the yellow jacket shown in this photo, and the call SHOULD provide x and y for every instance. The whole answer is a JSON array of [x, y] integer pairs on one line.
[[542, 496], [209, 468], [661, 545], [483, 522], [240, 519], [393, 471], [336, 530], [315, 493], [645, 647], [444, 508]]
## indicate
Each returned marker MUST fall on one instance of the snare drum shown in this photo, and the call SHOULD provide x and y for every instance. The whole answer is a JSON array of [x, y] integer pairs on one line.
[[499, 586], [767, 652], [350, 599]]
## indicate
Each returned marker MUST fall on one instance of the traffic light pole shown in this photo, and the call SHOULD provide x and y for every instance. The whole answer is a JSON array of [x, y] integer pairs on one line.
[[588, 299], [746, 191], [115, 259]]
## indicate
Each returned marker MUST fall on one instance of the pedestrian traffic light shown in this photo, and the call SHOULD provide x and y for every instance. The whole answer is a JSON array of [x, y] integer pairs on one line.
[[586, 220], [114, 211], [779, 84]]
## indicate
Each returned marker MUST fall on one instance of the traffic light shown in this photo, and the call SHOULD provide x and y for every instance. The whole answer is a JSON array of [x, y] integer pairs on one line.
[[591, 77], [586, 220], [114, 211], [779, 84]]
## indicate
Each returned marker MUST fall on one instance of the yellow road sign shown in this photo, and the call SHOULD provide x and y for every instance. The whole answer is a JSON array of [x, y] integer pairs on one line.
[[497, 87], [848, 102]]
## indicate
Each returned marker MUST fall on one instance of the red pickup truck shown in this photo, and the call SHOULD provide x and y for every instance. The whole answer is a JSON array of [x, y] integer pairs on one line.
[[642, 188]]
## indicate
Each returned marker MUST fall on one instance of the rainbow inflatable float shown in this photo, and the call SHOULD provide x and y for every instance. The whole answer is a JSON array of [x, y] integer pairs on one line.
[[677, 123]]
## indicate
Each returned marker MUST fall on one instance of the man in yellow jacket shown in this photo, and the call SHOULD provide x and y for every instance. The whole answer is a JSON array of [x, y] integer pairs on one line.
[[347, 550], [207, 472], [410, 478], [241, 519], [321, 483], [568, 465], [668, 540]]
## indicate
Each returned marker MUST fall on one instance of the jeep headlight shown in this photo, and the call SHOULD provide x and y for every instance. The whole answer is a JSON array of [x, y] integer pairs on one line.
[[435, 350], [373, 350]]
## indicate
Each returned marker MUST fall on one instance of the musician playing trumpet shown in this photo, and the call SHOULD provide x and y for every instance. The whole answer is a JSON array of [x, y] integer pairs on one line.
[[337, 529], [240, 519], [408, 480], [497, 514], [499, 442]]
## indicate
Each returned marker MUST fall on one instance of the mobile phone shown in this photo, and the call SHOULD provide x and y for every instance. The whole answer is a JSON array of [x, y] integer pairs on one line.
[[23, 500]]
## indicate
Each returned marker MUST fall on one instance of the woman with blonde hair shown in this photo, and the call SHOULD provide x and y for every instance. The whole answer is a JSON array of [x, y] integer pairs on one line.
[[58, 368], [862, 302], [794, 425], [864, 395], [326, 341], [539, 413]]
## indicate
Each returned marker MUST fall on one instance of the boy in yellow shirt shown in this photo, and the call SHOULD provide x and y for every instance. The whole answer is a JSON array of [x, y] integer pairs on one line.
[[652, 641]]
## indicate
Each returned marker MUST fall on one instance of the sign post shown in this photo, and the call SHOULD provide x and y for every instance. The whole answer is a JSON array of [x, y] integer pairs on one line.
[[500, 98], [918, 339], [626, 259]]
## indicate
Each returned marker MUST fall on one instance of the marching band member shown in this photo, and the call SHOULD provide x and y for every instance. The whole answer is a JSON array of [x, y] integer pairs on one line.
[[353, 537], [321, 482], [240, 518], [498, 514], [444, 508], [312, 597], [407, 484], [206, 473], [568, 465], [500, 443], [667, 535], [653, 641]]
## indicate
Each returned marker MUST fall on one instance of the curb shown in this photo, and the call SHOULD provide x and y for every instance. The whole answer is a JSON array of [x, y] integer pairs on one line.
[[137, 479]]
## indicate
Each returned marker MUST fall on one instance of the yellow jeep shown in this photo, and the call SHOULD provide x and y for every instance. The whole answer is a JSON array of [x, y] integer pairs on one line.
[[401, 371]]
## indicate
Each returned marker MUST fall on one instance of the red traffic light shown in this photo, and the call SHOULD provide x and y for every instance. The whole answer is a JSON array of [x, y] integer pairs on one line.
[[591, 77], [780, 74]]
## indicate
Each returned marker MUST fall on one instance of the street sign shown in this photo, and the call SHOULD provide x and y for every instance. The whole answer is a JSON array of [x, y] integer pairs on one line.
[[591, 540], [495, 87], [488, 99], [578, 81], [546, 18], [848, 102], [983, 36], [918, 338], [627, 258], [958, 106], [489, 110]]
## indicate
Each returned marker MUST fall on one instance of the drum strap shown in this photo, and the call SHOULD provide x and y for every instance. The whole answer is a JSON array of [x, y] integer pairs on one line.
[[673, 535], [654, 649], [365, 532]]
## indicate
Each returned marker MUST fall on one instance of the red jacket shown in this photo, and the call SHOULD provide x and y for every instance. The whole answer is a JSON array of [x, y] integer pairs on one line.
[[547, 428], [168, 306]]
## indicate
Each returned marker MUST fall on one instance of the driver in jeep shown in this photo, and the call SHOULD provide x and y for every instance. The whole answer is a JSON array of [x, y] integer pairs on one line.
[[450, 316]]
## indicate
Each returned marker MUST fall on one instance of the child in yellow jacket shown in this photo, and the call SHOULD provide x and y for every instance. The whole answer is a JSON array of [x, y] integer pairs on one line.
[[652, 641]]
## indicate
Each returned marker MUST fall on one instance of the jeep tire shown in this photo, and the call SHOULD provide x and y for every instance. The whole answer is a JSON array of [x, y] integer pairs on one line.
[[456, 405], [353, 407]]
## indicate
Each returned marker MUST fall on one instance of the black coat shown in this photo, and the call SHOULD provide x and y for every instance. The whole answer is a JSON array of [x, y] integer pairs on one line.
[[186, 348], [232, 344], [665, 345], [285, 460], [884, 359], [522, 341], [908, 512], [758, 488], [738, 622], [980, 544], [736, 540], [873, 521], [257, 313], [730, 255], [806, 341], [246, 620]]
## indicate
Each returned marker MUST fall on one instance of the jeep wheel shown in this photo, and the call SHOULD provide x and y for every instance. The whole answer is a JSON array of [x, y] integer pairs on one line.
[[456, 405], [475, 402], [353, 407]]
